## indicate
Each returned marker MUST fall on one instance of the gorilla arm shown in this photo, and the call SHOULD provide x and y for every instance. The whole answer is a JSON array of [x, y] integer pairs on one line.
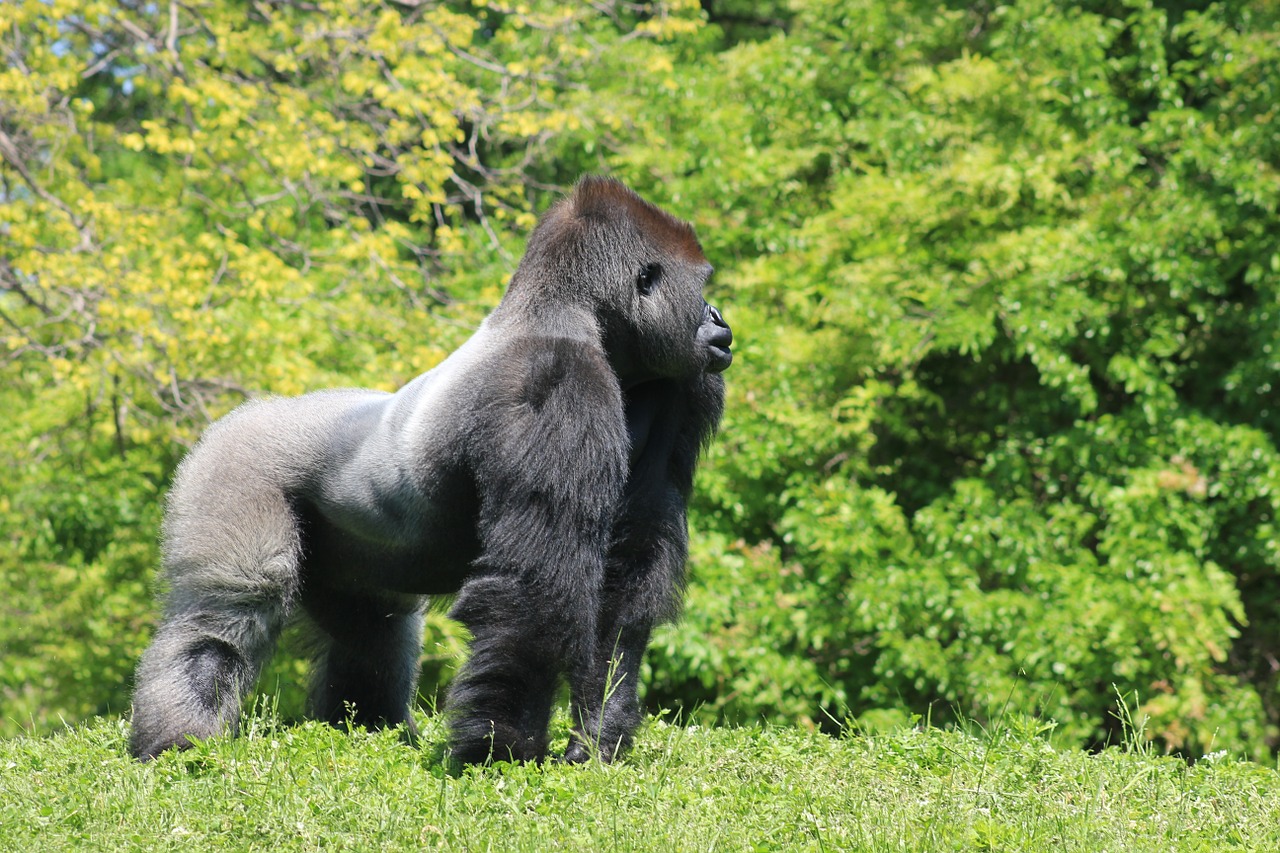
[[550, 455], [669, 422]]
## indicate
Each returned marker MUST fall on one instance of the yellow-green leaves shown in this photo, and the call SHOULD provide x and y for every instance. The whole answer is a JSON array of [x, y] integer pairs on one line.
[[181, 181], [205, 202]]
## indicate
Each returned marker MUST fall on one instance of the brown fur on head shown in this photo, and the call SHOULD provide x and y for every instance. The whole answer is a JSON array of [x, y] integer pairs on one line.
[[600, 234], [604, 199]]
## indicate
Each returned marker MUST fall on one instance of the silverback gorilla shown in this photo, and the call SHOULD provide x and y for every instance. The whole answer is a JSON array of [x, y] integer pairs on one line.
[[540, 472]]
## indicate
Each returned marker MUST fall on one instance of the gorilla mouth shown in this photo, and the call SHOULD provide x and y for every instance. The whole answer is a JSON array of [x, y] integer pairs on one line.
[[720, 359]]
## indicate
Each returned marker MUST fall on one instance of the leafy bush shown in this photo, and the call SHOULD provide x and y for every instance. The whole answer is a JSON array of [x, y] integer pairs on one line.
[[1004, 417], [1001, 431]]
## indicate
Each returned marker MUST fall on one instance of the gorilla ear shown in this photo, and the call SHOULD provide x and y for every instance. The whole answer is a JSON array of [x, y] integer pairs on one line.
[[648, 279]]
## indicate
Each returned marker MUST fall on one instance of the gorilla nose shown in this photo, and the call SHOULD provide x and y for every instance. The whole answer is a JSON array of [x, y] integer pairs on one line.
[[721, 335], [717, 337], [713, 314]]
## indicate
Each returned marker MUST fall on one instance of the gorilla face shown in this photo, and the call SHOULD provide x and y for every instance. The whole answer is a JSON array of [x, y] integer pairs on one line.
[[639, 270], [667, 330]]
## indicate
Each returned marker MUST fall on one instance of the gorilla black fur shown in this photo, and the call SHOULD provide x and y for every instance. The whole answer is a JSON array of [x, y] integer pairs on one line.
[[540, 472]]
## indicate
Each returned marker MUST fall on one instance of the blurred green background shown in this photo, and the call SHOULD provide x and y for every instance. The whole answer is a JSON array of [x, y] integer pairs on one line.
[[1001, 435]]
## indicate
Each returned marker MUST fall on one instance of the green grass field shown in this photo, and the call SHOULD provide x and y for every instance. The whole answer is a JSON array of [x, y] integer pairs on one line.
[[310, 788]]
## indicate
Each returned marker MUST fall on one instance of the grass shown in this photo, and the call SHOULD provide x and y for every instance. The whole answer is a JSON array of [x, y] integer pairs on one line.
[[309, 787]]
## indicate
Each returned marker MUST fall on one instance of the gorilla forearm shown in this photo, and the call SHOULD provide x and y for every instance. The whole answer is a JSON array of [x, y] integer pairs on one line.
[[645, 567]]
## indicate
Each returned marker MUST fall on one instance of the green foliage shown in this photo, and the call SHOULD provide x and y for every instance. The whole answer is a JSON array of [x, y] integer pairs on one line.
[[79, 548], [203, 205], [991, 432], [1005, 278]]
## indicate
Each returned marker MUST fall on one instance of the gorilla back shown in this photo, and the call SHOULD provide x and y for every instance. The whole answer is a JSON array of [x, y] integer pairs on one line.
[[541, 472]]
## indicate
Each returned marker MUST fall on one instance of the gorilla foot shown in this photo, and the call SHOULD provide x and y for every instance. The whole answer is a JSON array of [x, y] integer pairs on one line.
[[484, 741]]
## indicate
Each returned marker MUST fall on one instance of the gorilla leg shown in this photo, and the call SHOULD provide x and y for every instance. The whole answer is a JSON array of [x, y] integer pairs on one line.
[[204, 658], [606, 698], [231, 587], [500, 702], [366, 660]]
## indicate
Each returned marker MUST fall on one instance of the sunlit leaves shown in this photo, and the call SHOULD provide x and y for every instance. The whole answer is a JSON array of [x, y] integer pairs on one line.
[[1002, 355], [203, 203], [1001, 429]]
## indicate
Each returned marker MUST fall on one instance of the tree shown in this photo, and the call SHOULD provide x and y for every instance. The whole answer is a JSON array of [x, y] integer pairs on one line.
[[1003, 436], [203, 203], [1004, 279]]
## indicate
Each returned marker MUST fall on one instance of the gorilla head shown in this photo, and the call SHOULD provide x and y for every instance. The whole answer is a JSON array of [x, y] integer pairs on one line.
[[638, 270], [540, 473]]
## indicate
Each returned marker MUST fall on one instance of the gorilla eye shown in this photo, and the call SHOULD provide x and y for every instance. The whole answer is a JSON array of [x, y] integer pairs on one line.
[[648, 279]]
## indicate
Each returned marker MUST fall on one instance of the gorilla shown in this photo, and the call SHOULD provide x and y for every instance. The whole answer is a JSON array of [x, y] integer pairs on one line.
[[540, 473]]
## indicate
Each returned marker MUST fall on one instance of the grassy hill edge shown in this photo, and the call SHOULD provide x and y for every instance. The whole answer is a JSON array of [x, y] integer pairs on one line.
[[309, 787]]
